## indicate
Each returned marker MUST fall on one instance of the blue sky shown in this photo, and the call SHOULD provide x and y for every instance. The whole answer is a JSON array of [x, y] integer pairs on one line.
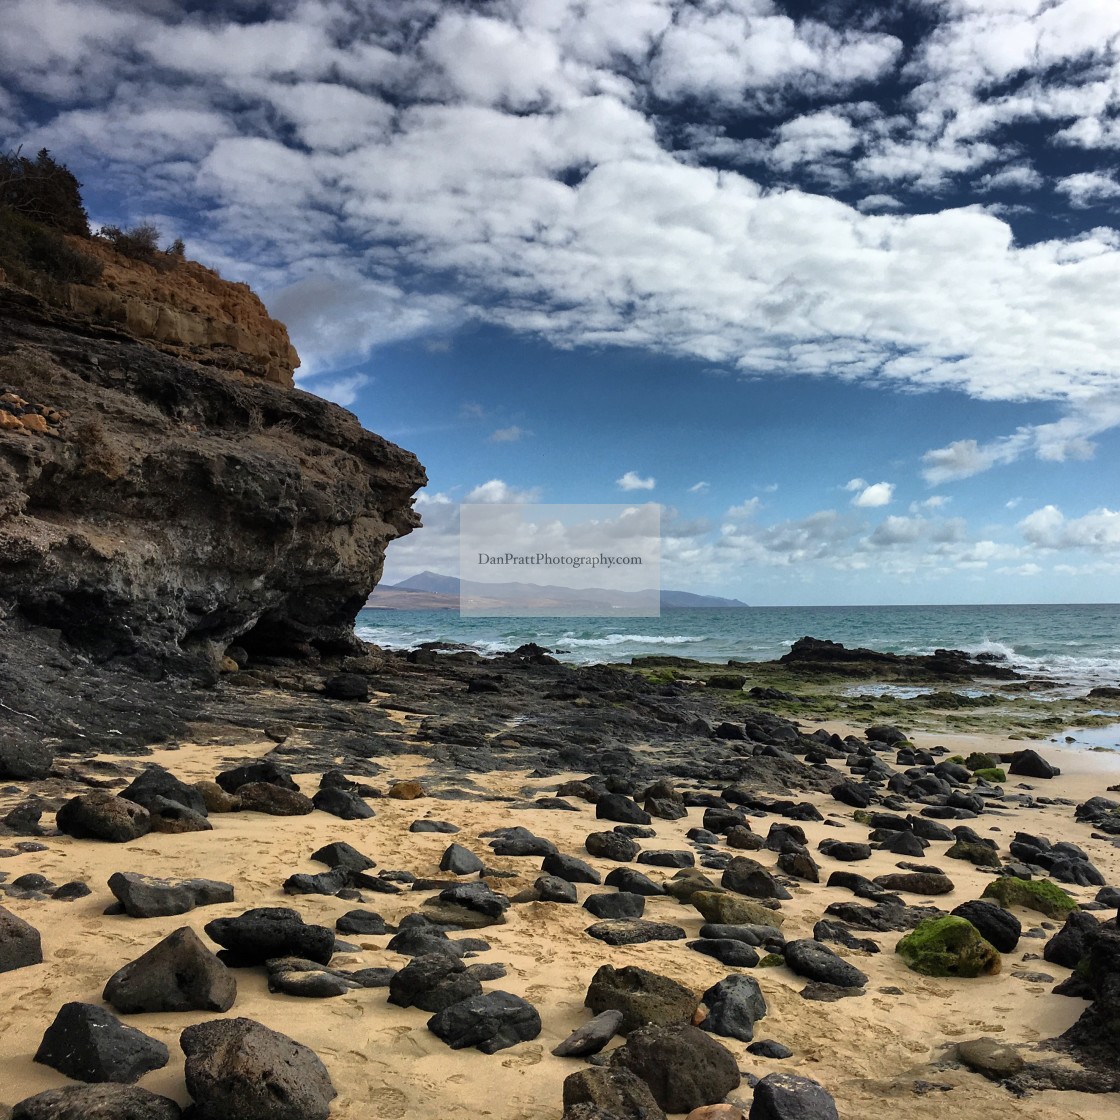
[[835, 283]]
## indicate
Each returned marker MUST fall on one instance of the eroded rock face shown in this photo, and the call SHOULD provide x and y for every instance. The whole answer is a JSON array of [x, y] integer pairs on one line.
[[165, 510]]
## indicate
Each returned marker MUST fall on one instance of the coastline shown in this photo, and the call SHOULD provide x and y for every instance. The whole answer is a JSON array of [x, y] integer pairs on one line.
[[880, 1055]]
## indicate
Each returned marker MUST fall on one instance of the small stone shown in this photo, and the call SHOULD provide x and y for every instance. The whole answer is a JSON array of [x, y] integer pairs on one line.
[[591, 1037], [995, 1060], [460, 861]]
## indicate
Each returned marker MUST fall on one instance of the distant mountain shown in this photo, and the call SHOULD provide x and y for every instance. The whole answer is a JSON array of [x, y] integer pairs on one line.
[[432, 591]]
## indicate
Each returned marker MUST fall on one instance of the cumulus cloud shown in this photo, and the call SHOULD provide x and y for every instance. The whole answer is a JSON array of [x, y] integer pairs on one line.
[[872, 496], [390, 170], [745, 509], [497, 491], [1096, 531], [631, 480]]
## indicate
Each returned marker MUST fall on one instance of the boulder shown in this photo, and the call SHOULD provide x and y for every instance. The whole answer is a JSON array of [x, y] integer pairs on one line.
[[342, 803], [20, 943], [915, 882], [611, 1093], [240, 1068], [995, 1060], [143, 896], [171, 817], [1030, 764], [96, 1102], [489, 1021], [619, 904], [732, 910], [1071, 943], [785, 1096], [155, 781], [270, 931], [734, 1005], [634, 931], [569, 868], [177, 974], [814, 961], [683, 1066], [433, 982], [263, 771], [340, 854], [619, 807], [88, 1043], [275, 800], [25, 761], [460, 861], [948, 946], [642, 996], [1039, 895], [997, 926], [611, 845], [103, 816]]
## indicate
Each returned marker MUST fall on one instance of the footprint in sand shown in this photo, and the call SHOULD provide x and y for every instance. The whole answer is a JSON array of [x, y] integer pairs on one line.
[[527, 1056]]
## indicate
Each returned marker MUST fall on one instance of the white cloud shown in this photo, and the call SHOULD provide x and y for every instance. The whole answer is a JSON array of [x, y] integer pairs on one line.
[[873, 496], [699, 487], [876, 202], [745, 509], [935, 501], [631, 480], [497, 491], [1096, 531], [512, 434], [1013, 176], [1089, 187], [855, 484]]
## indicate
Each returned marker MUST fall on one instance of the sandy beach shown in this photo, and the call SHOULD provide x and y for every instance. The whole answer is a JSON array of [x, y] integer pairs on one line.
[[877, 1054]]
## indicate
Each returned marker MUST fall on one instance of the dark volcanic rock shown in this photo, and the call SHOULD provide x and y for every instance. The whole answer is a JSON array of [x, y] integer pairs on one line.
[[997, 926], [882, 918], [1030, 764], [103, 816], [240, 1068], [340, 854], [785, 1096], [734, 1005], [252, 773], [915, 882], [643, 997], [569, 868], [626, 931], [276, 801], [342, 803], [20, 943], [361, 922], [87, 1043], [551, 888], [270, 931], [177, 974], [618, 807], [460, 861], [143, 896], [346, 686], [726, 950], [631, 880], [155, 781], [611, 845], [25, 761], [591, 1037], [613, 1093], [684, 1067], [96, 1102], [433, 982], [621, 904], [490, 1022], [814, 961], [1071, 943]]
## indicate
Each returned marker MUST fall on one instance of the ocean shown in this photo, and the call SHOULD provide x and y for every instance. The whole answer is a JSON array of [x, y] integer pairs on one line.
[[1077, 645]]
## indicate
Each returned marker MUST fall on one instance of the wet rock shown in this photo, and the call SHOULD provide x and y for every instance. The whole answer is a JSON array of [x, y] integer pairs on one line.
[[177, 974], [270, 931], [768, 1048], [785, 1096], [87, 1043], [238, 1067], [642, 996], [816, 961], [1071, 943], [683, 1066], [1030, 764], [96, 1102], [591, 1037], [735, 1004], [103, 816], [143, 896], [490, 1021], [997, 926], [20, 943]]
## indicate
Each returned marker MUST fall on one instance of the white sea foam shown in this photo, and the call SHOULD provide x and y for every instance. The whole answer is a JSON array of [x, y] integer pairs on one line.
[[572, 642]]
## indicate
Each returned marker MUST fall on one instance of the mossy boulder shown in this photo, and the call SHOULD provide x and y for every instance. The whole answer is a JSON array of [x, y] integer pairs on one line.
[[979, 854], [957, 758], [1039, 895], [990, 774], [978, 760], [948, 947], [733, 910]]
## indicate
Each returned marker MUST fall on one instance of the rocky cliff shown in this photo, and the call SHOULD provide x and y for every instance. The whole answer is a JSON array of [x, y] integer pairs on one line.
[[154, 510]]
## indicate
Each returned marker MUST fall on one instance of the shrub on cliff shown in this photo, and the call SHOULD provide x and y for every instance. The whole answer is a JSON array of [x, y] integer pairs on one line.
[[34, 255], [44, 191], [141, 243]]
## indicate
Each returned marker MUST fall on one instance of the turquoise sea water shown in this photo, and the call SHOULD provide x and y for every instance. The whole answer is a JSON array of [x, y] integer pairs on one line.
[[1078, 644]]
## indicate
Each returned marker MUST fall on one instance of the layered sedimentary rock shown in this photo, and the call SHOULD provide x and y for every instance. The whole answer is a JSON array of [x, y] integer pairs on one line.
[[154, 510]]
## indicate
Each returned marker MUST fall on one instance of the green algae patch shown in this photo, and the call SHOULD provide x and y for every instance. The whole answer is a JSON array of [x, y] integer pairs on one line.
[[1039, 895], [771, 960], [948, 947], [978, 760], [979, 854], [990, 774]]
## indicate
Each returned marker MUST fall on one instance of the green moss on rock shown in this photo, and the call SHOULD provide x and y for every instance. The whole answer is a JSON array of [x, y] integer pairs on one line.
[[771, 960], [948, 947], [979, 760], [979, 854], [1039, 895], [990, 774]]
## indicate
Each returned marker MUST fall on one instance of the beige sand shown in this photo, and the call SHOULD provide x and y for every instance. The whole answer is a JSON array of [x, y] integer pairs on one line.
[[867, 1051]]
